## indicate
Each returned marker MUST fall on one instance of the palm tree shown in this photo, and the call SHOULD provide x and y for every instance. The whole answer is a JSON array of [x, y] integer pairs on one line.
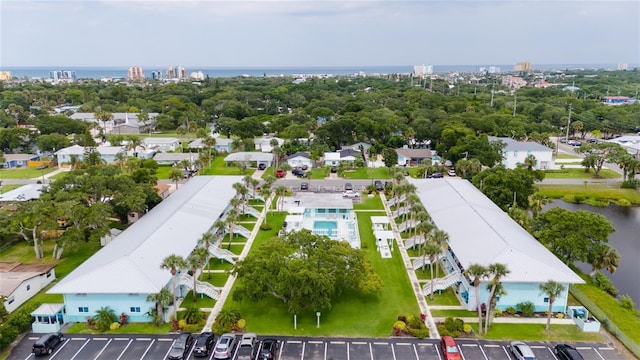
[[103, 116], [419, 214], [478, 272], [230, 221], [133, 143], [161, 299], [605, 257], [195, 261], [498, 271], [176, 175], [536, 202], [530, 162], [441, 238], [280, 191], [265, 192], [241, 191], [104, 317], [425, 229], [173, 263], [205, 242], [209, 142], [552, 289], [432, 251], [277, 152]]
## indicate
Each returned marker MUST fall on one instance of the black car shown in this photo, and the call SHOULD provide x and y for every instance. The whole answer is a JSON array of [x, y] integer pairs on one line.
[[304, 186], [567, 352], [204, 343], [181, 346], [298, 172], [269, 349], [262, 166], [437, 175], [348, 186], [47, 344], [379, 185], [334, 169]]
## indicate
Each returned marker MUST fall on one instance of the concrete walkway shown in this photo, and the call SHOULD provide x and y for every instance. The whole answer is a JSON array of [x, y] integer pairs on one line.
[[226, 290], [415, 284]]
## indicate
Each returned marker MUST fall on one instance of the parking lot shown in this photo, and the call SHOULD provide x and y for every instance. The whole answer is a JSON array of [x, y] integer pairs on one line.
[[154, 347]]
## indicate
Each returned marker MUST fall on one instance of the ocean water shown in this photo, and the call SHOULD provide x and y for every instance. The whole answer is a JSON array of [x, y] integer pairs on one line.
[[222, 72]]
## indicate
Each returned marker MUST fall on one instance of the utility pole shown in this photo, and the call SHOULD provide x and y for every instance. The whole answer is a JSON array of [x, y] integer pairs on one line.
[[494, 86], [568, 122]]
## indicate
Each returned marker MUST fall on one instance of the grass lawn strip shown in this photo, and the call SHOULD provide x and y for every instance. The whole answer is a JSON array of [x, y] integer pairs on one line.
[[597, 194], [368, 173], [9, 187], [218, 167], [535, 332], [24, 173], [576, 173]]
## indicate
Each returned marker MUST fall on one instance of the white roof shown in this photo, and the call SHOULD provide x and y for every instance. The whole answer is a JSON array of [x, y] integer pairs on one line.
[[79, 150], [489, 235], [383, 234], [249, 156], [131, 262], [47, 309], [331, 156], [154, 140], [23, 193], [380, 220], [176, 156]]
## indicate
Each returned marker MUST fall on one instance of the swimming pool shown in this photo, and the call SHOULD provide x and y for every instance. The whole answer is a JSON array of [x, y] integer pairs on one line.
[[329, 228]]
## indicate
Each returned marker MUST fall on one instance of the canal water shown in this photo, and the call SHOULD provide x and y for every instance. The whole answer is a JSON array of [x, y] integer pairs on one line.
[[626, 239]]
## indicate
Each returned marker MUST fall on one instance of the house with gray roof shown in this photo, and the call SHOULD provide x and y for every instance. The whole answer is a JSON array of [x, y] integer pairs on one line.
[[490, 236], [108, 154], [123, 273], [20, 282], [515, 153], [250, 157], [122, 123], [223, 145], [18, 160]]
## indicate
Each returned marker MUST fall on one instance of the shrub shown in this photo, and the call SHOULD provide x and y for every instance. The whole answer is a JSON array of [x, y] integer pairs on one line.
[[559, 316], [7, 335], [527, 308], [123, 318], [627, 303], [467, 329], [511, 310], [605, 284], [192, 315], [265, 226], [219, 329], [419, 333], [114, 326], [400, 325], [454, 326], [442, 330], [497, 312], [242, 324], [182, 323], [414, 322], [629, 185]]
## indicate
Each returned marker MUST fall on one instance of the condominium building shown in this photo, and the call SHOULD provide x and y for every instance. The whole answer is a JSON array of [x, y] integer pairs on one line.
[[422, 70], [5, 75], [623, 67], [177, 72], [522, 66], [135, 73], [62, 76], [156, 75]]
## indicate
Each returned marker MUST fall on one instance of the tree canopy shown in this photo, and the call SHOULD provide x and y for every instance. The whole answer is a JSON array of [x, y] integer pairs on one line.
[[305, 271]]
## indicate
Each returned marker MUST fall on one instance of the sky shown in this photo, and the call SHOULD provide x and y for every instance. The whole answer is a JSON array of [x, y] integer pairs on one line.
[[267, 33]]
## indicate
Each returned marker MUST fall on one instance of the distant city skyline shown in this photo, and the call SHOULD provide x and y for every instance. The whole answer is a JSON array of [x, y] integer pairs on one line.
[[324, 33]]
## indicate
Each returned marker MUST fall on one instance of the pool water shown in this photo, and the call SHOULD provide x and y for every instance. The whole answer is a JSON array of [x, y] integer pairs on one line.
[[326, 227]]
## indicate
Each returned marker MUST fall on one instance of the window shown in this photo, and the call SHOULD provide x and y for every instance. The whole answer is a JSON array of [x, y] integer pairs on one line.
[[321, 211], [11, 300], [134, 309], [49, 273], [546, 299], [28, 287], [83, 309], [332, 211]]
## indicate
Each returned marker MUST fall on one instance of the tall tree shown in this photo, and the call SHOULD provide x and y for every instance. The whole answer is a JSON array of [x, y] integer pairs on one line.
[[173, 263], [205, 242], [176, 175], [195, 261], [497, 271], [604, 256], [161, 299], [477, 272], [552, 289], [599, 153]]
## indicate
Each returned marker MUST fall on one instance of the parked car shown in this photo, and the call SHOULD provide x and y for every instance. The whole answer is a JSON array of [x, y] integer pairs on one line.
[[350, 194], [567, 352], [279, 173], [224, 347], [47, 343], [262, 166], [574, 142], [594, 141], [437, 175], [204, 343], [348, 186], [305, 167], [181, 346], [521, 351], [451, 172], [449, 348], [304, 186], [379, 185], [563, 140], [334, 169], [269, 349], [297, 172], [247, 348]]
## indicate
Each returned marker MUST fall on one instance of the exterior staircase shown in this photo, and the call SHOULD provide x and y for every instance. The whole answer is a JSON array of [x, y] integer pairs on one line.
[[252, 211], [202, 287], [409, 224], [442, 283], [223, 254], [241, 230], [414, 241], [393, 200]]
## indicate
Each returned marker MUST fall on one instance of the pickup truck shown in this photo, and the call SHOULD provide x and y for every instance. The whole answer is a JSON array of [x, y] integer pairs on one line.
[[246, 350]]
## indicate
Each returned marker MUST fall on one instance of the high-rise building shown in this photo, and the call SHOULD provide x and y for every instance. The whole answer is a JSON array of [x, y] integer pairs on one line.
[[156, 75], [494, 69], [422, 70], [62, 76], [5, 75], [135, 73], [623, 67], [177, 72], [523, 66]]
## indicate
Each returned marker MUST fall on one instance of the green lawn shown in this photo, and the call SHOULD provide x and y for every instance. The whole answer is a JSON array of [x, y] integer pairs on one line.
[[219, 167], [24, 173], [270, 171], [368, 173], [574, 173], [319, 173], [203, 301], [535, 332], [163, 171], [10, 187], [367, 203], [591, 193], [566, 156], [131, 328], [59, 175], [446, 297], [460, 313], [216, 279]]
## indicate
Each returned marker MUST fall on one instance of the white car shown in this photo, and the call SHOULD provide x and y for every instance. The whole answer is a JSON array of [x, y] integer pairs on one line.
[[451, 172], [521, 351], [350, 194]]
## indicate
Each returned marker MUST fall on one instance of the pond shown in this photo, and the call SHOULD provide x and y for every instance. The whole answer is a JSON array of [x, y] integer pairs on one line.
[[626, 239]]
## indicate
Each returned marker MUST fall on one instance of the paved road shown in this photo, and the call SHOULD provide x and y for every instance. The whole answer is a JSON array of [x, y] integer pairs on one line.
[[156, 347]]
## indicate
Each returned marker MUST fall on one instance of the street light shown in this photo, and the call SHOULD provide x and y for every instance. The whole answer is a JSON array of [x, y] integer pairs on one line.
[[318, 319]]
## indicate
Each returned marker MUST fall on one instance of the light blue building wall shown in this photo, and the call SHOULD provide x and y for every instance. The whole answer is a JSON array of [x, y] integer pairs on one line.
[[81, 306]]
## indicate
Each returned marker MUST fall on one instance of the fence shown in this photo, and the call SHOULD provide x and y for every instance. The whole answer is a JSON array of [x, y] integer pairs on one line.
[[604, 320]]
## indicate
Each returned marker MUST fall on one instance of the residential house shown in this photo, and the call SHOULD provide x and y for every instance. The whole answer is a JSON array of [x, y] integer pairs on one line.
[[335, 158], [18, 160], [490, 236], [108, 237], [108, 154], [264, 143], [20, 282], [516, 152], [631, 143], [159, 144], [250, 158], [122, 123], [122, 274], [174, 158], [360, 146], [163, 190], [23, 193], [412, 157], [223, 145], [300, 159]]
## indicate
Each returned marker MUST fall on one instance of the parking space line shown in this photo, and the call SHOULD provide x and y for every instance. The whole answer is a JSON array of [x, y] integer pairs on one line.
[[60, 348], [415, 351], [82, 347], [165, 339], [79, 338], [104, 347], [281, 349], [438, 351], [143, 339], [359, 342], [469, 345], [461, 353], [148, 347], [302, 354], [504, 348], [483, 354], [121, 339], [33, 338], [537, 346], [393, 351], [325, 350], [348, 357], [315, 342], [169, 350], [100, 339], [583, 347], [596, 350], [402, 344], [337, 342], [491, 345], [294, 342], [552, 354], [380, 343], [125, 349], [606, 348]]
